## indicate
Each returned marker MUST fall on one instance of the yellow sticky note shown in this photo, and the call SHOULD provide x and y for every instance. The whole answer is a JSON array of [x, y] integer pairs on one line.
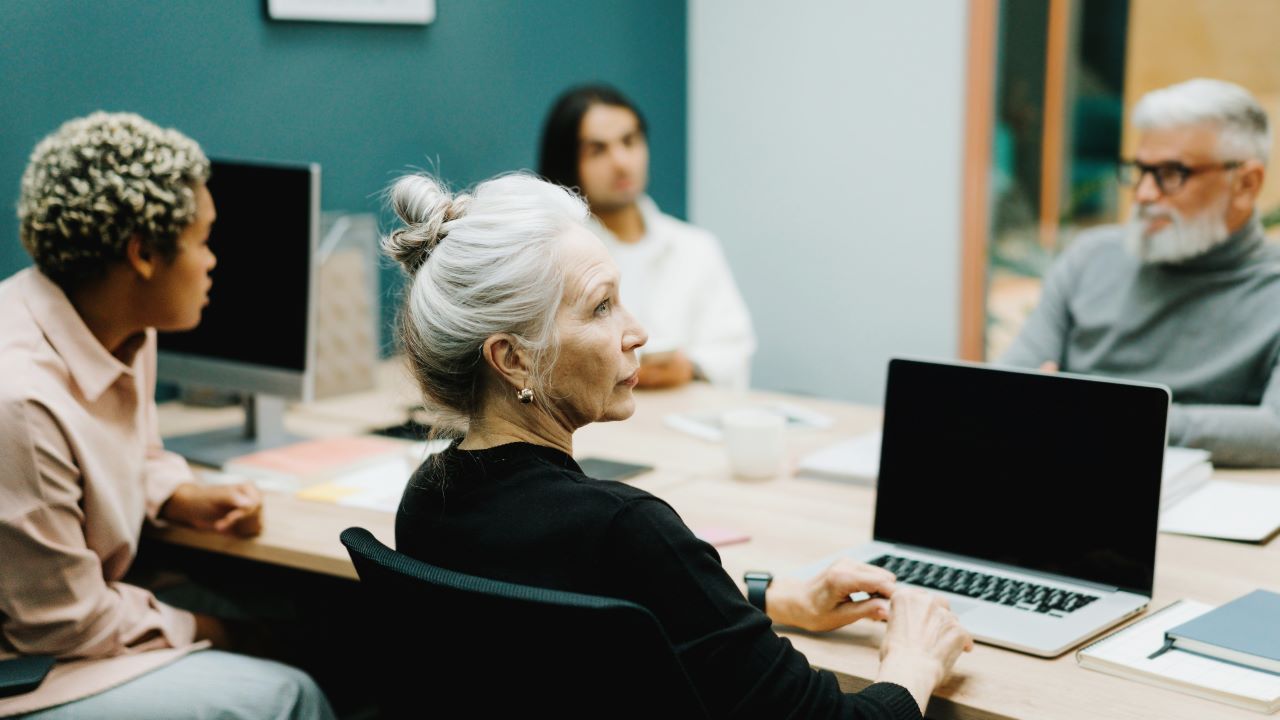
[[326, 492]]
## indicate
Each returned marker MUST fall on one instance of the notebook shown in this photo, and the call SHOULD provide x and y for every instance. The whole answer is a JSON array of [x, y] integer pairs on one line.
[[1245, 631], [604, 469], [1127, 654]]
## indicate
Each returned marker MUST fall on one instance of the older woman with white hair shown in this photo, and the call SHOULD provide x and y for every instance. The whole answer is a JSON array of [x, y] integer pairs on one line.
[[517, 335], [115, 213]]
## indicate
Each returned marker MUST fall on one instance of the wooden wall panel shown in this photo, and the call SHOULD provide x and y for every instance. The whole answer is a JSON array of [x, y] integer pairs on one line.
[[1235, 40]]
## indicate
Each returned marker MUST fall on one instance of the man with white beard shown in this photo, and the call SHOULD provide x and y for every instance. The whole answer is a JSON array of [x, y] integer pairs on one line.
[[1188, 292]]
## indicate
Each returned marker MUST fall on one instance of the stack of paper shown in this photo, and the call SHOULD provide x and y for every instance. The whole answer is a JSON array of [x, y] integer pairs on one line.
[[376, 485], [1228, 511], [1186, 470], [310, 466], [299, 462], [856, 460], [707, 425]]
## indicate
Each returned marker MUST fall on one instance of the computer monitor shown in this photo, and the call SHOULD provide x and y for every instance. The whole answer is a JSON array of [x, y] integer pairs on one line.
[[257, 335]]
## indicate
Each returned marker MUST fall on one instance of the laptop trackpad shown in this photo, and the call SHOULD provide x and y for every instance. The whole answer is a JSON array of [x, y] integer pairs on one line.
[[961, 606]]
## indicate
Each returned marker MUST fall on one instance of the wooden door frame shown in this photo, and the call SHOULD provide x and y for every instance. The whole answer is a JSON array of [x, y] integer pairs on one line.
[[979, 128]]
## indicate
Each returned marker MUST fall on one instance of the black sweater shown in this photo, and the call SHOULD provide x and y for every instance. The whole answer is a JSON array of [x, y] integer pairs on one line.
[[525, 513]]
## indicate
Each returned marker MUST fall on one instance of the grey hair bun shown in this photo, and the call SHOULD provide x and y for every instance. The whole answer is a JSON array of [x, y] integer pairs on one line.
[[426, 207]]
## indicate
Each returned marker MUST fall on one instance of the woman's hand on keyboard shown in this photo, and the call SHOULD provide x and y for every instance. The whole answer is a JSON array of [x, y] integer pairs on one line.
[[922, 642], [822, 603]]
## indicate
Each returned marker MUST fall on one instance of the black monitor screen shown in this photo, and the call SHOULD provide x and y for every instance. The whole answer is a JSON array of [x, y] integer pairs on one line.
[[1047, 472], [257, 312]]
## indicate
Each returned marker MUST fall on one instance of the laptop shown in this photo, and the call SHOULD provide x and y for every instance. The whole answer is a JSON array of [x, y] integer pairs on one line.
[[1029, 500]]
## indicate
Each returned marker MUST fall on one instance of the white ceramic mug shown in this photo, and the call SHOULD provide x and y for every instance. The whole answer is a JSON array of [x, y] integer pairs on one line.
[[755, 441]]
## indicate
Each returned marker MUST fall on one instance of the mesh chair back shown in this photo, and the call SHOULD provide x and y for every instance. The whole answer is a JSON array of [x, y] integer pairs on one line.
[[457, 645]]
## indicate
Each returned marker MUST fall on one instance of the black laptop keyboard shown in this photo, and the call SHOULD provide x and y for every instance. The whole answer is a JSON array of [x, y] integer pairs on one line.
[[1005, 591]]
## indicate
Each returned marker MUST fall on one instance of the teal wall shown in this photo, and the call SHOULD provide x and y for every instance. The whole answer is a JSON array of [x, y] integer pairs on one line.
[[464, 95]]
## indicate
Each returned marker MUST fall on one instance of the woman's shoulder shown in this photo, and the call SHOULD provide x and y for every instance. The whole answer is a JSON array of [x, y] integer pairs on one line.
[[534, 491]]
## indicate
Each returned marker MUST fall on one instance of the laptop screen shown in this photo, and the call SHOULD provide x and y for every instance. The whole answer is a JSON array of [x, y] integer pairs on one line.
[[1053, 473]]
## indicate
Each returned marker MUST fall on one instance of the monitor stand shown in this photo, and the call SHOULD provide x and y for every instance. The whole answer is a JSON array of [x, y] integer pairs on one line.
[[263, 429]]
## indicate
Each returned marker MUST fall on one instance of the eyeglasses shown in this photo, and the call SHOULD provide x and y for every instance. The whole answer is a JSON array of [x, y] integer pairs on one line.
[[1169, 176]]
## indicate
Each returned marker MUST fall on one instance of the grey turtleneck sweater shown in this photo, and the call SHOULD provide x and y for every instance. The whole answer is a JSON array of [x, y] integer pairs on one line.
[[1209, 328]]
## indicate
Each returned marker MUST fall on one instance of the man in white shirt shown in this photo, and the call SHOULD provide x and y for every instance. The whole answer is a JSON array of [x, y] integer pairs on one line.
[[675, 276]]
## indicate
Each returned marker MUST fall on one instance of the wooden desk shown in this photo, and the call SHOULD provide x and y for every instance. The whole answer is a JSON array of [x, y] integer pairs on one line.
[[792, 522]]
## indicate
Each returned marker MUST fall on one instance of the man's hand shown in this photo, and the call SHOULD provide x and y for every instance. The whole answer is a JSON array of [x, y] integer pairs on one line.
[[665, 370], [234, 509]]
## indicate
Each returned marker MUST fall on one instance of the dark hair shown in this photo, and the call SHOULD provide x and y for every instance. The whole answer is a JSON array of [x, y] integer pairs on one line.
[[558, 157]]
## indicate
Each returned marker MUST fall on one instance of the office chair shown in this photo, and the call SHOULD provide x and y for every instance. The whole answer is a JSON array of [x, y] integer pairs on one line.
[[456, 645]]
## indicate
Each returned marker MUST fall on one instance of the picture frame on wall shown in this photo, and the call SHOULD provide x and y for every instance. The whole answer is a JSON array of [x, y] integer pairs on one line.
[[393, 12]]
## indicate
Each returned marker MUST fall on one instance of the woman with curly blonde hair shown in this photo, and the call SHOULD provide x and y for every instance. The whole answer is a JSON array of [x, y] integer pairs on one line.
[[115, 213]]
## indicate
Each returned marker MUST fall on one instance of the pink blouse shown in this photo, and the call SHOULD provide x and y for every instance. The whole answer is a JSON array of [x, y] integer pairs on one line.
[[81, 467]]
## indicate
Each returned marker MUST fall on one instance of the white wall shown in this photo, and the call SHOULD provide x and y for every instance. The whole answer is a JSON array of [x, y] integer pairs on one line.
[[825, 149]]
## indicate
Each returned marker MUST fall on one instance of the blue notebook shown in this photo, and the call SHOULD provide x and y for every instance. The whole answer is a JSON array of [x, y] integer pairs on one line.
[[1245, 631]]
